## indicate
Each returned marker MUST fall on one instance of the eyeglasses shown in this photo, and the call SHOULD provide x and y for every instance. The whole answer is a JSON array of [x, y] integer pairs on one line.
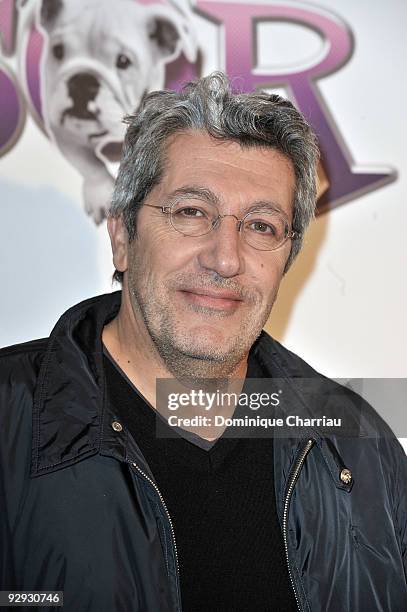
[[264, 230]]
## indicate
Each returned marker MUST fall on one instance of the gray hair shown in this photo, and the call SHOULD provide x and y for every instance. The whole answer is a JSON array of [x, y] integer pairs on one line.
[[251, 119]]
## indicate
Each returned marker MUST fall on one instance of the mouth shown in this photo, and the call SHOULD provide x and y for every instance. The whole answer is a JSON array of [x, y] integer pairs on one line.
[[112, 151], [78, 114], [97, 135], [211, 298]]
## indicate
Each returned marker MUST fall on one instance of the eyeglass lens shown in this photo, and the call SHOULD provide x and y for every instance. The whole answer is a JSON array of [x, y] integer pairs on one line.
[[264, 230]]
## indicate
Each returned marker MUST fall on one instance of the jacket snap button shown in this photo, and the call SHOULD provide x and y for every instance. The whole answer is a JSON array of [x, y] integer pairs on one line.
[[117, 426], [346, 476]]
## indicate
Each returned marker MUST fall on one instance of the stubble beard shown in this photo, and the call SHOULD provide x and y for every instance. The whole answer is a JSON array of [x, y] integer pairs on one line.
[[187, 357]]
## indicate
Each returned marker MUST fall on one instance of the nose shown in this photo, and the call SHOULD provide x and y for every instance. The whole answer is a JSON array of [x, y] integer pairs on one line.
[[83, 87], [222, 249]]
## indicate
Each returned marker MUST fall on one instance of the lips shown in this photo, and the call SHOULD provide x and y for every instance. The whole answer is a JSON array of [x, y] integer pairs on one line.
[[212, 298], [216, 293]]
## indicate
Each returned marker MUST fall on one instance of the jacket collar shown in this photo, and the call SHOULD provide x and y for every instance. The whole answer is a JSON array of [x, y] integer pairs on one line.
[[71, 414], [69, 411]]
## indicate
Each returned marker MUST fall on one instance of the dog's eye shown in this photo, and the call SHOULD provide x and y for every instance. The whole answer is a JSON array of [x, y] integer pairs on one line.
[[122, 61], [58, 51]]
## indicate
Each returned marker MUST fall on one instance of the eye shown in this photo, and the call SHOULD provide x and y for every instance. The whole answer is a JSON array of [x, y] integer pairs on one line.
[[122, 61], [58, 51], [190, 212], [262, 227]]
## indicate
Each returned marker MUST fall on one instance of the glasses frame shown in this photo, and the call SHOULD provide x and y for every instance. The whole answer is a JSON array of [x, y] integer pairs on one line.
[[167, 210]]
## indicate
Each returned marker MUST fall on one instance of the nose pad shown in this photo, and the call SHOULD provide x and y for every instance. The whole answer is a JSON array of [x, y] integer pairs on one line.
[[226, 232], [216, 223], [82, 88]]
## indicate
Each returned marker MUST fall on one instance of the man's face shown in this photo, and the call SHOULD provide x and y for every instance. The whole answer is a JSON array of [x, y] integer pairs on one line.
[[204, 300]]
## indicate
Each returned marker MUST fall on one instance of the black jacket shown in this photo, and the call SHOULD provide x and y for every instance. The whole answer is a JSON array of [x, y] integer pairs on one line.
[[80, 511]]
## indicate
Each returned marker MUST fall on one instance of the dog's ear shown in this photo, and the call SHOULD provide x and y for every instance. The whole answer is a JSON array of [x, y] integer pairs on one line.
[[171, 33], [49, 11], [164, 34]]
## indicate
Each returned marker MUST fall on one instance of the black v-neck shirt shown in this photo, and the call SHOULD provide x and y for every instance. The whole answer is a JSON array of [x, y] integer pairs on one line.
[[221, 500]]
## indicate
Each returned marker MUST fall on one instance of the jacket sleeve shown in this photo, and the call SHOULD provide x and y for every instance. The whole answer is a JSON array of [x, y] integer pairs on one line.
[[6, 559], [400, 506], [394, 463], [18, 367]]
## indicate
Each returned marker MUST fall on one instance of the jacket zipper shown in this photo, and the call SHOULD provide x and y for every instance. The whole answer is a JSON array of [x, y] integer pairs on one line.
[[169, 520], [294, 477]]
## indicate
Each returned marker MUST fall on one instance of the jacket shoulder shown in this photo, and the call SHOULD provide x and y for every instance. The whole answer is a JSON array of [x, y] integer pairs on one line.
[[286, 361], [332, 393], [19, 368], [20, 362], [32, 346]]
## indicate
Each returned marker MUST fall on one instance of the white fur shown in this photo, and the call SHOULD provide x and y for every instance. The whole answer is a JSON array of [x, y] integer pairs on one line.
[[93, 33]]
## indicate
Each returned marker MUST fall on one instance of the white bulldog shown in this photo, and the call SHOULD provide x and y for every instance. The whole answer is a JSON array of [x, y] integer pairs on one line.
[[100, 58]]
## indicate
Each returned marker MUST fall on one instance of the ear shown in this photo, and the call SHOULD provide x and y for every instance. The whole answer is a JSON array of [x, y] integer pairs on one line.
[[119, 241], [49, 11], [171, 33]]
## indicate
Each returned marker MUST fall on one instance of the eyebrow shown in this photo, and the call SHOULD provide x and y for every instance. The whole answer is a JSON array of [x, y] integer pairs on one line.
[[195, 191], [203, 193], [265, 205]]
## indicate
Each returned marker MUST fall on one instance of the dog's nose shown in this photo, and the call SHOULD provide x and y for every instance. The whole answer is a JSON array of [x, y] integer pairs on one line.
[[83, 87]]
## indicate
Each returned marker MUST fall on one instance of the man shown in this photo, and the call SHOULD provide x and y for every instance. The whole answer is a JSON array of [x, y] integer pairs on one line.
[[211, 202]]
